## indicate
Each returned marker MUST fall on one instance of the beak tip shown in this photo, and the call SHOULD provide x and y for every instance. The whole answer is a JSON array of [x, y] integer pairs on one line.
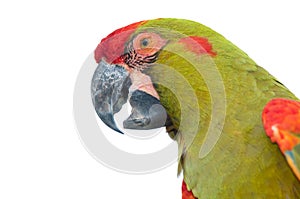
[[115, 128], [120, 132], [108, 119]]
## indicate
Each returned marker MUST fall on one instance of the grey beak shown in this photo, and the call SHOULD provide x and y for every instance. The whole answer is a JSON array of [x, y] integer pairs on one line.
[[110, 87], [147, 112]]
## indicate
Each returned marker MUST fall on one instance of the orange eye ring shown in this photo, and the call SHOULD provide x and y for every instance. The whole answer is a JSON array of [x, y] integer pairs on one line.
[[147, 44]]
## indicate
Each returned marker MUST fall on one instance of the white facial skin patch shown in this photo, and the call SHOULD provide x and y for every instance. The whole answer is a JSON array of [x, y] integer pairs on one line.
[[142, 82]]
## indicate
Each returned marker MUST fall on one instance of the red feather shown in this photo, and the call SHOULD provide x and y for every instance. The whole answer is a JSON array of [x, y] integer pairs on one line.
[[198, 45], [113, 46], [281, 118], [186, 194]]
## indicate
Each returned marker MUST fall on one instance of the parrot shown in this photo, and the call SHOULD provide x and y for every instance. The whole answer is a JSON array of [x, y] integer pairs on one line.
[[236, 126]]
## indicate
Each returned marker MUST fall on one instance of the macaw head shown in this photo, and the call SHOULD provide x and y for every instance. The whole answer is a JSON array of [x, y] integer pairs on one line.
[[125, 58]]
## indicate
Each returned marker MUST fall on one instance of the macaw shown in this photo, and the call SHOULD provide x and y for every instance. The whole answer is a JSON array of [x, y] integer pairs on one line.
[[237, 127]]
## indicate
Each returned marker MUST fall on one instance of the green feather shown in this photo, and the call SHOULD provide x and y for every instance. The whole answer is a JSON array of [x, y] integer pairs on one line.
[[296, 151], [243, 163]]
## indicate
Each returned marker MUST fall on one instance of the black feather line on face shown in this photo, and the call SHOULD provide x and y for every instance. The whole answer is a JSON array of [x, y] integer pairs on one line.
[[137, 61]]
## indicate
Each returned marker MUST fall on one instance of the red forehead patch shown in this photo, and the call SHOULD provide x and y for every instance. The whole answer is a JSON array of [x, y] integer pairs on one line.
[[112, 46], [198, 45]]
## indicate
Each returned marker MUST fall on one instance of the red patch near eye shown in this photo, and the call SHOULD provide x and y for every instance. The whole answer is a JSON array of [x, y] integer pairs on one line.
[[198, 45], [112, 46]]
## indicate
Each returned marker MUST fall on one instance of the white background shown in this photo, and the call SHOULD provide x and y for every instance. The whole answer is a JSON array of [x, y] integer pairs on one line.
[[42, 47]]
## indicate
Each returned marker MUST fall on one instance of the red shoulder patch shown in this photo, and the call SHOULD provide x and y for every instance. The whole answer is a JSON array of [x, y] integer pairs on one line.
[[186, 194], [112, 46], [281, 119], [283, 112], [198, 45]]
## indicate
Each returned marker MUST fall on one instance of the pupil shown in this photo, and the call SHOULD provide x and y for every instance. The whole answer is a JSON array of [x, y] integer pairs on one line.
[[145, 42]]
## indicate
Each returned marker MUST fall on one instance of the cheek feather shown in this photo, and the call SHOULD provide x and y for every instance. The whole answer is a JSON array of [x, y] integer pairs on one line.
[[143, 50]]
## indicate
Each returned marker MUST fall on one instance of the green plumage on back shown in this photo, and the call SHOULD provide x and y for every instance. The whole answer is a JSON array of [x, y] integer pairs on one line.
[[243, 163]]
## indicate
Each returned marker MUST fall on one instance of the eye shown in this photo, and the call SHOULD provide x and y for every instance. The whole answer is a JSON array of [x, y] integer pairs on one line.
[[148, 43], [145, 42]]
